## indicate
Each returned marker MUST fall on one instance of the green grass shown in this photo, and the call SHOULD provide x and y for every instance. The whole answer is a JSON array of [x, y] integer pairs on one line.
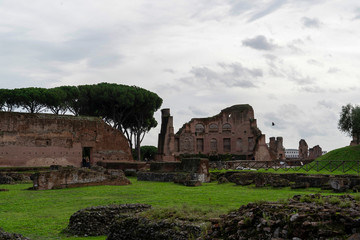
[[349, 155], [44, 214]]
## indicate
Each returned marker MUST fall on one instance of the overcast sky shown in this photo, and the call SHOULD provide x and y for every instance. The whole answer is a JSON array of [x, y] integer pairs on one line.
[[295, 61]]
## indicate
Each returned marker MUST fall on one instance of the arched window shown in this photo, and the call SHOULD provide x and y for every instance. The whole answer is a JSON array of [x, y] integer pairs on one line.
[[199, 128], [226, 127], [213, 127], [213, 144]]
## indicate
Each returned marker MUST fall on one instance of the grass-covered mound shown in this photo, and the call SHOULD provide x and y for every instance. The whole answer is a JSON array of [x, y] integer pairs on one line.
[[344, 160], [350, 153]]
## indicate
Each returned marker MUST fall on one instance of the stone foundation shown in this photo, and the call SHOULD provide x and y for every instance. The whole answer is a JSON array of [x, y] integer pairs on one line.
[[190, 172], [96, 221], [338, 183], [302, 217], [67, 177]]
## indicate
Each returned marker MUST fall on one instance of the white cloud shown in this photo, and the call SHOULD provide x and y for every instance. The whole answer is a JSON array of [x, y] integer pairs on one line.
[[197, 55], [260, 42]]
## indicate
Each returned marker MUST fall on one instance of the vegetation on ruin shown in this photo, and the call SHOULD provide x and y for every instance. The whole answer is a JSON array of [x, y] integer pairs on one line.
[[44, 214], [127, 108]]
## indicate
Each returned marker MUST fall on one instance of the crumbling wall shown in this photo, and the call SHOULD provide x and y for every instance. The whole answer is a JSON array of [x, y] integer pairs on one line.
[[189, 171], [166, 140], [303, 149], [276, 148], [233, 131], [47, 139], [315, 152], [77, 177]]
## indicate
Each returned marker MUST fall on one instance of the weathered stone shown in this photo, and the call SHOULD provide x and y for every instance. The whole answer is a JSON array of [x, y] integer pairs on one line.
[[76, 177], [130, 172], [233, 131], [303, 149], [280, 182], [11, 236], [5, 179], [276, 148], [315, 152], [48, 139], [302, 217], [96, 221], [339, 184], [222, 180], [135, 228], [189, 172]]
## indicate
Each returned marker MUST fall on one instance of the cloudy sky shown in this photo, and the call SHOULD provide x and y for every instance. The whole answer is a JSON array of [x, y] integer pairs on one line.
[[296, 62]]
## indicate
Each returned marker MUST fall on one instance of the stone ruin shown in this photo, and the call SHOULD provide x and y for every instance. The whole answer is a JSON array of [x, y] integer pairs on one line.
[[233, 131], [276, 148], [302, 217], [306, 153], [337, 183], [190, 172], [96, 221], [126, 222], [315, 152], [303, 149], [67, 177], [41, 140], [11, 236]]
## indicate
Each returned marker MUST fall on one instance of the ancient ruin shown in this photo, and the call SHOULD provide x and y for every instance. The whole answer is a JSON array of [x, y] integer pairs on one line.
[[233, 131], [67, 177], [189, 172], [46, 139], [303, 149], [315, 152], [301, 217]]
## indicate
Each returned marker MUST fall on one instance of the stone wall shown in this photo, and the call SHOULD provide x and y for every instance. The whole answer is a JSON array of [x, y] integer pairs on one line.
[[189, 171], [66, 177], [337, 183], [302, 217], [96, 221], [315, 152], [47, 139], [233, 131], [126, 222], [303, 149]]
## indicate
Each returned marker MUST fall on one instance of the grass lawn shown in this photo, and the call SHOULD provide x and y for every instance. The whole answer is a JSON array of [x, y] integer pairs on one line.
[[44, 214]]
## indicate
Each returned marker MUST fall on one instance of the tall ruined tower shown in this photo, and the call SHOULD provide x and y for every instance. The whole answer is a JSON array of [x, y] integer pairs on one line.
[[166, 137], [303, 149], [276, 148]]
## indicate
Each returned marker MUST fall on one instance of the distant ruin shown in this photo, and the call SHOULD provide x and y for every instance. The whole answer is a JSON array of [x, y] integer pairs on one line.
[[303, 149], [233, 131], [47, 139], [315, 152]]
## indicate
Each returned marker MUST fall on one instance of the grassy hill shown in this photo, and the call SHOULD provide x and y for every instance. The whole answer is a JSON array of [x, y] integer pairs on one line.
[[350, 153], [344, 160]]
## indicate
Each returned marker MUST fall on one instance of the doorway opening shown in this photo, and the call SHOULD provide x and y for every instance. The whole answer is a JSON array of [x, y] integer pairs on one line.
[[86, 156]]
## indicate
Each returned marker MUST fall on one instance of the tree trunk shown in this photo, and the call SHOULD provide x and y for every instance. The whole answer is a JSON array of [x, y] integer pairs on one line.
[[138, 146]]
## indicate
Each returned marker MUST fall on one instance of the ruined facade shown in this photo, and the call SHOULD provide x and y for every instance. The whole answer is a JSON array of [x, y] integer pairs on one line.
[[276, 148], [233, 131], [315, 152], [46, 139], [303, 149]]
